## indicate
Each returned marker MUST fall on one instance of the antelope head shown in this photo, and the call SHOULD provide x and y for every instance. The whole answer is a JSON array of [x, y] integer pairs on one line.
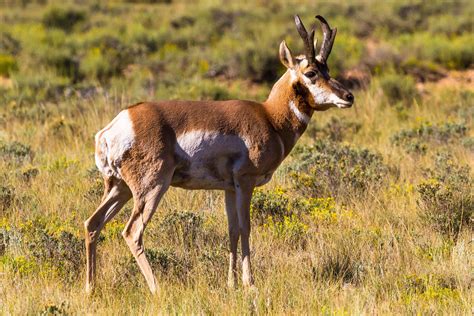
[[311, 70]]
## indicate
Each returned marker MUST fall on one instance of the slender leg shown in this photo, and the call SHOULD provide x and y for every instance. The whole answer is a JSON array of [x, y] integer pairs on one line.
[[244, 189], [117, 195], [233, 223], [144, 207]]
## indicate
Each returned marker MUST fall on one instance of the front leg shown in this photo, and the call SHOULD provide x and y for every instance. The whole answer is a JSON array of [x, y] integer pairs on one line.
[[243, 189]]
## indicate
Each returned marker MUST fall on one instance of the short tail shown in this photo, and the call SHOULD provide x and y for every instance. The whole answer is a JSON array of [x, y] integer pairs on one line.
[[101, 156]]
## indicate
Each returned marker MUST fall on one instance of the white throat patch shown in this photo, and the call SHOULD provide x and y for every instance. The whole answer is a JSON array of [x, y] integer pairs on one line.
[[302, 117], [322, 96]]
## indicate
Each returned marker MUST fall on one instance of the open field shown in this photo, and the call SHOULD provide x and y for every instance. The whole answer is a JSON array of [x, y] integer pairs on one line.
[[372, 213]]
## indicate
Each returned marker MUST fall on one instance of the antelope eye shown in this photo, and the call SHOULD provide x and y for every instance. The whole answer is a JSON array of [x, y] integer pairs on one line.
[[310, 74]]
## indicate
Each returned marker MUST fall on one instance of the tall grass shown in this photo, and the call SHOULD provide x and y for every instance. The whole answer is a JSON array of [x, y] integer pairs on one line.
[[364, 217]]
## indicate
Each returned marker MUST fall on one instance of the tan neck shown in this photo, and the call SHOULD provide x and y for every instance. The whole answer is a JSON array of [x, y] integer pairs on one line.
[[289, 125]]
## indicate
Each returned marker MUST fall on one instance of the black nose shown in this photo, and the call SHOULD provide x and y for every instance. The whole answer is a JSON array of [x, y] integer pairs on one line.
[[349, 97]]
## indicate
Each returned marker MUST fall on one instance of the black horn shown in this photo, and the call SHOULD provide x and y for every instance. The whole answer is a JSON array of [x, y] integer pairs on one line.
[[328, 39], [308, 39]]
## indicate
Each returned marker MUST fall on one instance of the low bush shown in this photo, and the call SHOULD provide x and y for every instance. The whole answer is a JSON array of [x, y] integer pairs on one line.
[[326, 211], [290, 228], [34, 88], [8, 44], [331, 169], [164, 262], [63, 18], [15, 151], [398, 88], [446, 199], [450, 52], [290, 218], [167, 263], [28, 173], [182, 227], [7, 64], [60, 252], [55, 309], [347, 54], [7, 196], [265, 204], [420, 289], [43, 246], [416, 140], [19, 265], [337, 129]]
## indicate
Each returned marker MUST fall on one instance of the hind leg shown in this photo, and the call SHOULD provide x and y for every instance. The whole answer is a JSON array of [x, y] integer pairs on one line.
[[146, 198], [116, 194], [234, 233]]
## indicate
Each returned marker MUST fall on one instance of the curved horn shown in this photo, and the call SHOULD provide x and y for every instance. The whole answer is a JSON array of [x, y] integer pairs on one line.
[[308, 39], [328, 40]]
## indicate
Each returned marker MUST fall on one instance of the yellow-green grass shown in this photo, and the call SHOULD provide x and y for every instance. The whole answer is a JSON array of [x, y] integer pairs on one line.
[[370, 251]]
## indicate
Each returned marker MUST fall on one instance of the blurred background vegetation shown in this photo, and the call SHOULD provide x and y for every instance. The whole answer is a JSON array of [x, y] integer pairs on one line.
[[372, 212]]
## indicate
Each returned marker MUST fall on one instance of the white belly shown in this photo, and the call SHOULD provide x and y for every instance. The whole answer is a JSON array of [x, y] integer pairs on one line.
[[208, 159]]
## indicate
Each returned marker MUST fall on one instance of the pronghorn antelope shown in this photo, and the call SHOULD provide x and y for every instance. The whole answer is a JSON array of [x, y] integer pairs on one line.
[[225, 145]]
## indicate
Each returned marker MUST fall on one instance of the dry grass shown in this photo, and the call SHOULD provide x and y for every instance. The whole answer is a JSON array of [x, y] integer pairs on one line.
[[383, 258], [372, 252]]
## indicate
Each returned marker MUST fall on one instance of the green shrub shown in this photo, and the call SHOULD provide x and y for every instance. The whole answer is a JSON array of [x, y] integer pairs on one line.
[[468, 142], [8, 44], [290, 228], [450, 24], [29, 173], [422, 70], [347, 54], [446, 199], [197, 89], [182, 227], [103, 62], [265, 204], [336, 129], [164, 262], [63, 18], [7, 64], [325, 210], [149, 1], [398, 88], [7, 196], [60, 127], [43, 246], [451, 52], [168, 263], [58, 251], [331, 169], [19, 264], [416, 140], [32, 88], [15, 151], [54, 309]]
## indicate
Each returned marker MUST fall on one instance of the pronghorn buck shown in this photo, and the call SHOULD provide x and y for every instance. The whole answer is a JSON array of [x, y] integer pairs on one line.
[[225, 145]]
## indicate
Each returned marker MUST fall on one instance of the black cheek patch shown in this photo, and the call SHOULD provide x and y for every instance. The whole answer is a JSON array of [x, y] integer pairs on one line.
[[302, 92]]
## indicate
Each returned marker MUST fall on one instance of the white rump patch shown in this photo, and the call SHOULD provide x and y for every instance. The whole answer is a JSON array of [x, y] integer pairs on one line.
[[302, 117], [112, 142]]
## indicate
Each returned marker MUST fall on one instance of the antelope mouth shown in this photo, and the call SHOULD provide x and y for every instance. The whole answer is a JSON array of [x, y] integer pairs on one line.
[[343, 104]]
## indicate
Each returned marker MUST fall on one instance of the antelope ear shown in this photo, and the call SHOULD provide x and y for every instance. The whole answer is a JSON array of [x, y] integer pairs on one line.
[[285, 55]]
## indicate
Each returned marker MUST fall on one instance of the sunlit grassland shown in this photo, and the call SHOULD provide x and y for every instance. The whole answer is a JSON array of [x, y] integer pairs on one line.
[[370, 242]]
